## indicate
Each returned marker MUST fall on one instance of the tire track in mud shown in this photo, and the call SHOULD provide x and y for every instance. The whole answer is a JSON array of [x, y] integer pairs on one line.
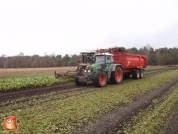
[[113, 119]]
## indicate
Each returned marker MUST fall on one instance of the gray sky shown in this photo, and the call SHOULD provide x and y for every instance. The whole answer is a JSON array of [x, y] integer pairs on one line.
[[71, 26]]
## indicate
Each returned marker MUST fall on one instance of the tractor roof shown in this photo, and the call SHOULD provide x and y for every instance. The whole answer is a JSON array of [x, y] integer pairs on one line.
[[103, 54], [88, 52]]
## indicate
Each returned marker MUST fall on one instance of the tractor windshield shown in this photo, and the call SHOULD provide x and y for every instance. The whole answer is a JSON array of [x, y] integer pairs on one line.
[[103, 59], [99, 59]]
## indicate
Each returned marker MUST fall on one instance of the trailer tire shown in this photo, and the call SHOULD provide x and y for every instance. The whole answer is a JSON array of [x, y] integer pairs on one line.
[[141, 73], [117, 75], [100, 79], [136, 74]]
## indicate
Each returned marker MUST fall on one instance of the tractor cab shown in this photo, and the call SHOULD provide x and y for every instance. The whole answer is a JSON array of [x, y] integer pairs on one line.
[[88, 57], [103, 58]]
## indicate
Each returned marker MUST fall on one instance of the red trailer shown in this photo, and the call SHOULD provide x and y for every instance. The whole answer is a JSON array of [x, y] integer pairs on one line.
[[131, 63]]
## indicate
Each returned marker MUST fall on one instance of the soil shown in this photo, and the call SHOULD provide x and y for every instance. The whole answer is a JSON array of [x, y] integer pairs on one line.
[[110, 122]]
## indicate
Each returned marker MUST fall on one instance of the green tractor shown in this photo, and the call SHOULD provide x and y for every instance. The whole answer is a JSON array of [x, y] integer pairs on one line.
[[100, 72]]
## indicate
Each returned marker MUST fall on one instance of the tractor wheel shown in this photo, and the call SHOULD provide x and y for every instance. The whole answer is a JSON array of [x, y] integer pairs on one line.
[[100, 79], [136, 74], [141, 73], [117, 76]]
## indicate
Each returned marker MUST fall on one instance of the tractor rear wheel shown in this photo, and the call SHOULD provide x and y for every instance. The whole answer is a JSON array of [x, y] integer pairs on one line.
[[117, 75], [100, 79]]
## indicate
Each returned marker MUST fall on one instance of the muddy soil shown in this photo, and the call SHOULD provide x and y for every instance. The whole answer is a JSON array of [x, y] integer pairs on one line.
[[110, 122]]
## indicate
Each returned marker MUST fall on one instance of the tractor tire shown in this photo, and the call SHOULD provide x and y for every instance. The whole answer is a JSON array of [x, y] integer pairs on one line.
[[117, 76], [100, 79], [136, 74], [141, 73]]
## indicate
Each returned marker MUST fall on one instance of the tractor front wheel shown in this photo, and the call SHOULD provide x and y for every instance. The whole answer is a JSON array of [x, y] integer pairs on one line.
[[100, 79]]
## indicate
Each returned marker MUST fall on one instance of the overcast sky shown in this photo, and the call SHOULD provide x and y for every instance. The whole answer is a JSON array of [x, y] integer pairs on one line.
[[70, 26]]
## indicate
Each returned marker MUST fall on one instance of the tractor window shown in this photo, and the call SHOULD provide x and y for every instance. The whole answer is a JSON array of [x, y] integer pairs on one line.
[[99, 59], [108, 59]]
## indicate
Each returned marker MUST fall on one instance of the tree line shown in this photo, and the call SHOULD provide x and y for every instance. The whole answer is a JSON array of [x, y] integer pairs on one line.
[[36, 61], [161, 56]]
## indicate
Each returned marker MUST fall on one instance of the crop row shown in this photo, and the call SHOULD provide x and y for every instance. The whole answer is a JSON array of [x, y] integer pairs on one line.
[[30, 82], [64, 115], [154, 118]]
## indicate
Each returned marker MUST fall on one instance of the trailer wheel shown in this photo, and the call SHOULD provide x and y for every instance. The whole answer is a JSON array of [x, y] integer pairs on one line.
[[141, 73], [136, 74], [100, 79], [117, 76]]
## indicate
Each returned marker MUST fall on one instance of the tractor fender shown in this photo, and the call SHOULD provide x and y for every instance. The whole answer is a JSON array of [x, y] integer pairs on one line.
[[113, 67]]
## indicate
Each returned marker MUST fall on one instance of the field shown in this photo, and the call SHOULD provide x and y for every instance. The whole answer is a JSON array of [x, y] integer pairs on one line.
[[25, 72], [134, 106]]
